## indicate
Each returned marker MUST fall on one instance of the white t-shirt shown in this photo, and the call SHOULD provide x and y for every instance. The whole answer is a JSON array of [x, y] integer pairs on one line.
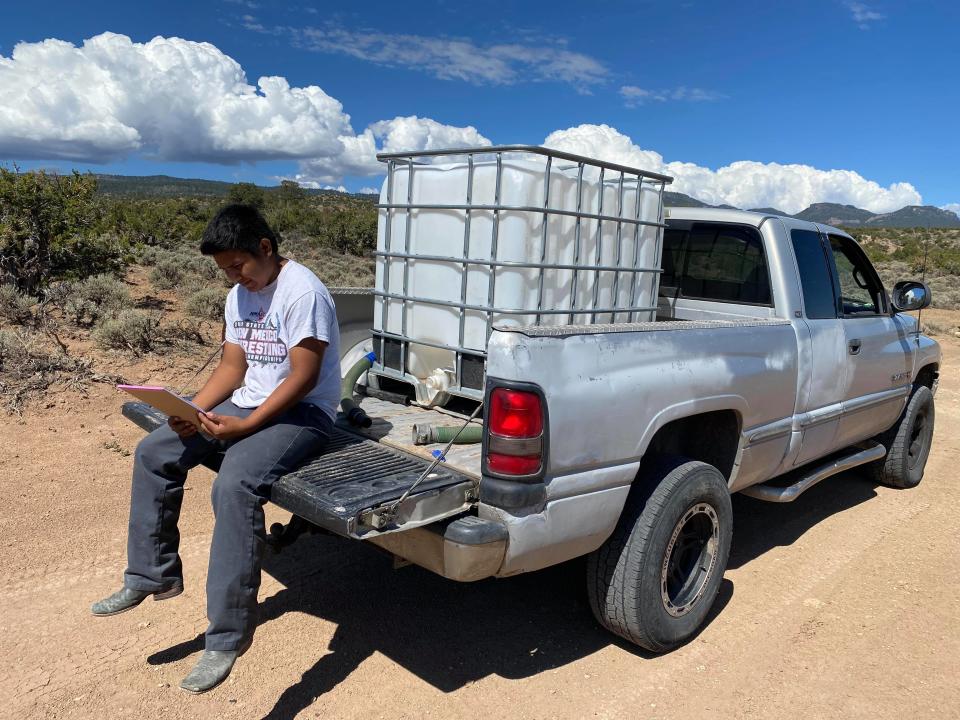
[[268, 322]]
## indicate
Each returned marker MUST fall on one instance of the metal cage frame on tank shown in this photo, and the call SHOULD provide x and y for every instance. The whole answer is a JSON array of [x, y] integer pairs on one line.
[[582, 274]]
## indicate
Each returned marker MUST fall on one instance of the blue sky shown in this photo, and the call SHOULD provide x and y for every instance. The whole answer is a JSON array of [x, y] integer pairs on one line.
[[869, 88]]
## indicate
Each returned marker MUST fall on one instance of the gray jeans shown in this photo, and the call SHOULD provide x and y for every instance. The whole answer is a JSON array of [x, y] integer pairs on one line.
[[250, 467]]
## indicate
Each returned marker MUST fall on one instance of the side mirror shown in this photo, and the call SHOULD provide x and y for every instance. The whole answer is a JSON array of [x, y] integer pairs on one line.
[[910, 295]]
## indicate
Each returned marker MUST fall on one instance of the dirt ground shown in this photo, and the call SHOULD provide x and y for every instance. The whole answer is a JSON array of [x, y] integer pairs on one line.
[[843, 604]]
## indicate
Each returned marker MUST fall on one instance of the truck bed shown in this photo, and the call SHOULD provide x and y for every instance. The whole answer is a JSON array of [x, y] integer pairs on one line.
[[393, 427]]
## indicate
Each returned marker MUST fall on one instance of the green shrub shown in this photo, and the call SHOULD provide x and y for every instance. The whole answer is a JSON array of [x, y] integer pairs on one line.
[[201, 265], [246, 194], [50, 228], [15, 306], [206, 303], [7, 347], [129, 330], [149, 255], [92, 299], [107, 292], [167, 273]]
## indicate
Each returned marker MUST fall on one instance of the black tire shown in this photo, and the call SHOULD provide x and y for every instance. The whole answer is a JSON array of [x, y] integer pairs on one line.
[[640, 591], [908, 443]]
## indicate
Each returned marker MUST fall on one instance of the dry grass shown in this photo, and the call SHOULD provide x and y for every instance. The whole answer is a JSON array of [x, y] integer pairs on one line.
[[83, 330], [333, 268], [945, 288], [31, 366]]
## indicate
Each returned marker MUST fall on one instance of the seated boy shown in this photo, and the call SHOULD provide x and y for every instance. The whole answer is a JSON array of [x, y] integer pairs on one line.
[[271, 403]]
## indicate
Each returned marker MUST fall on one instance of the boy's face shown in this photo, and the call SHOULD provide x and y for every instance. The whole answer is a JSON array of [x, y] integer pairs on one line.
[[254, 272]]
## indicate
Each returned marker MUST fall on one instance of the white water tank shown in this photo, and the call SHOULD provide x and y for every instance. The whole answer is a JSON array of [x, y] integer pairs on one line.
[[436, 237]]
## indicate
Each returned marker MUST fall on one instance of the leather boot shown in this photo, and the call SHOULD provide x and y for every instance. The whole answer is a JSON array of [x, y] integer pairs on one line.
[[212, 668], [127, 598]]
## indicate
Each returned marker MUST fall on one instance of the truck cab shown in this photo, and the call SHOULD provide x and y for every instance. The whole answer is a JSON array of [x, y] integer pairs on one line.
[[858, 357]]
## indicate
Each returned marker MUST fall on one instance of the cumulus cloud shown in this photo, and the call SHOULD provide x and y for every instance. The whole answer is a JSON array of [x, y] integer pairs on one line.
[[744, 184], [174, 98], [634, 96], [863, 14], [952, 207], [460, 59], [181, 100], [400, 134]]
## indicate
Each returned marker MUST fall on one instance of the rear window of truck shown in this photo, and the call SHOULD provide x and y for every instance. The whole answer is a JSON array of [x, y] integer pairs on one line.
[[819, 298], [715, 261]]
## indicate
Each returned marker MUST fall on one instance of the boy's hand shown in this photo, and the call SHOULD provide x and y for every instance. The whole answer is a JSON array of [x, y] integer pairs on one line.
[[225, 427], [183, 428]]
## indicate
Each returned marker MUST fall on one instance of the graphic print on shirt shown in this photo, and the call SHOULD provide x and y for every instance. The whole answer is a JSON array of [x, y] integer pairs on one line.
[[260, 338]]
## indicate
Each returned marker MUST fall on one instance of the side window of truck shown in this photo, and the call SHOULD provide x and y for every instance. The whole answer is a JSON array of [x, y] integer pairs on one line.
[[713, 261], [861, 292], [819, 297]]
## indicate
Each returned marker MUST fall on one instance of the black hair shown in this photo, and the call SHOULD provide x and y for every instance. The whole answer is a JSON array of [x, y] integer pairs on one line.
[[237, 227]]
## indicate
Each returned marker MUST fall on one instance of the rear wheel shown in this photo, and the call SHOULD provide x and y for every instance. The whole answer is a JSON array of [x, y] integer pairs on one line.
[[908, 443], [655, 579]]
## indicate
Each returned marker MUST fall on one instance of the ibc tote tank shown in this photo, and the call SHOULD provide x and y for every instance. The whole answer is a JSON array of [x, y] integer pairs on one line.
[[434, 240]]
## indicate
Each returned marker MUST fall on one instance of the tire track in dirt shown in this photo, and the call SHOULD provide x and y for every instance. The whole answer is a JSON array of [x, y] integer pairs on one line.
[[47, 659], [47, 578]]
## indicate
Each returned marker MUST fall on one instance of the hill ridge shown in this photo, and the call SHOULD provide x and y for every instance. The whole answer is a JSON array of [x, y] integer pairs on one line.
[[827, 213]]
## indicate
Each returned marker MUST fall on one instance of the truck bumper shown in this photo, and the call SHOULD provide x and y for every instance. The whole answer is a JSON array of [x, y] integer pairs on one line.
[[466, 549]]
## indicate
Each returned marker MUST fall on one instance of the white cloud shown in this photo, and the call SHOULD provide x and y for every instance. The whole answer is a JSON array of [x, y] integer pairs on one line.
[[863, 14], [460, 59], [634, 96], [174, 98], [952, 207], [369, 190], [181, 100], [400, 134], [744, 184]]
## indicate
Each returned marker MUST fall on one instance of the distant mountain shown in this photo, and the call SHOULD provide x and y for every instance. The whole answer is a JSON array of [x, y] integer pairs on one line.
[[675, 199], [850, 216], [770, 211], [166, 186], [160, 186], [827, 213], [916, 216], [834, 214]]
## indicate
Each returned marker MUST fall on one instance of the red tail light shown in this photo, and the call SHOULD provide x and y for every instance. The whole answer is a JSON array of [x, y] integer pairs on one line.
[[515, 442], [513, 465], [515, 413]]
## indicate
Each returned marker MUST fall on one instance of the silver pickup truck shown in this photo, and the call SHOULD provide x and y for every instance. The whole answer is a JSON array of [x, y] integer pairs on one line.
[[776, 359]]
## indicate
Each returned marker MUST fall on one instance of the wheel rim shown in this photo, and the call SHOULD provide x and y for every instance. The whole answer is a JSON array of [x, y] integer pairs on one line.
[[690, 559], [918, 438]]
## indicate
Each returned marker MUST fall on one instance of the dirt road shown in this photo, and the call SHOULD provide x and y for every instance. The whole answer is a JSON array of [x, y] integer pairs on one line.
[[843, 604]]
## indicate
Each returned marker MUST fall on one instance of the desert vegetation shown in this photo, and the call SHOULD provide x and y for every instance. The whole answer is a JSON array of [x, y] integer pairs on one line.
[[86, 277], [909, 254], [90, 280]]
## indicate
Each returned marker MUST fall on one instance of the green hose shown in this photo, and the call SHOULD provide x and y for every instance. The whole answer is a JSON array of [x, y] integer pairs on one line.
[[355, 414], [430, 434]]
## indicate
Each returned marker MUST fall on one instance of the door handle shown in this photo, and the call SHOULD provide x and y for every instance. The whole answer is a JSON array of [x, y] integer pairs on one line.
[[854, 346]]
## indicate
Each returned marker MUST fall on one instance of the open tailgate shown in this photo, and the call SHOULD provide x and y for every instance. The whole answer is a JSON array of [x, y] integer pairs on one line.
[[344, 489]]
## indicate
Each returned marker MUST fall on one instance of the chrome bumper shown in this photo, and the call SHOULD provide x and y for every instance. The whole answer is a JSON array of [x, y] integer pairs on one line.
[[466, 549]]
